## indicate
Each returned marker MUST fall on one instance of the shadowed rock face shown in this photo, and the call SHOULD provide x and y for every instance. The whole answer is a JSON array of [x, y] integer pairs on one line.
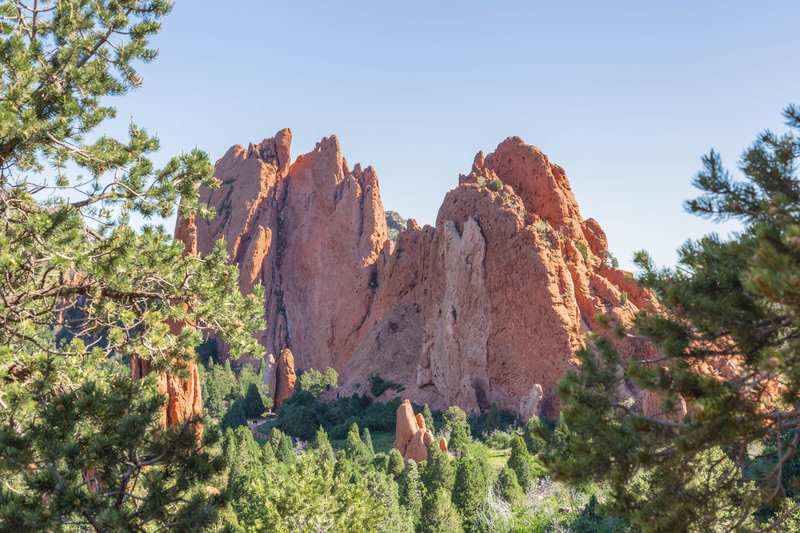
[[479, 309]]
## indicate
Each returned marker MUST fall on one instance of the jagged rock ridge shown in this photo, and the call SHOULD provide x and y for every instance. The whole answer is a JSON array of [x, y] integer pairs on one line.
[[486, 307]]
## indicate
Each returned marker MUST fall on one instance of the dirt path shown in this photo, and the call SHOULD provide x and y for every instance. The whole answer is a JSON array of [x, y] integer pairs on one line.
[[256, 433]]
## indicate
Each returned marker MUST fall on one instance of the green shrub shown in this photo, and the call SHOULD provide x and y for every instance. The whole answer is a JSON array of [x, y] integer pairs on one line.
[[582, 249], [498, 440], [494, 185], [377, 385], [317, 382], [459, 438], [508, 486]]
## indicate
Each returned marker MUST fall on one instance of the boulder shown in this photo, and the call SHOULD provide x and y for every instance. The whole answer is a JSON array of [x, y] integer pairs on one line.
[[412, 439]]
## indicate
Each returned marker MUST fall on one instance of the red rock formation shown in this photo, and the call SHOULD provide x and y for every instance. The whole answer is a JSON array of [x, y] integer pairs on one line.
[[412, 439], [480, 309], [285, 377], [184, 400]]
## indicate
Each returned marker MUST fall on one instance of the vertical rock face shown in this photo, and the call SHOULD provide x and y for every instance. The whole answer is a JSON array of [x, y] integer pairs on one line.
[[479, 309], [285, 377], [310, 233], [184, 400]]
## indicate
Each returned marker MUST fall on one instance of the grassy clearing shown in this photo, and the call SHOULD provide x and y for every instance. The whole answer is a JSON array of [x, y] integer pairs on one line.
[[266, 427], [499, 458]]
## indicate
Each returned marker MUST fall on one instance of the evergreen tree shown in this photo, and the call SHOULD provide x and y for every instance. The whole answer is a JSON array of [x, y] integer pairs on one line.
[[438, 473], [84, 294], [731, 305], [253, 405], [367, 439], [282, 445], [235, 417], [383, 488], [452, 416], [519, 462], [309, 497], [354, 447], [469, 489], [459, 438], [494, 420], [243, 460], [214, 404], [439, 514], [508, 487], [530, 433], [323, 446], [267, 454], [394, 466], [411, 490], [343, 469], [428, 417]]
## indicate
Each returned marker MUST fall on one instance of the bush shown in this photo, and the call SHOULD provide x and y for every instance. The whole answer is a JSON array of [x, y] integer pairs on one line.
[[499, 440], [495, 185], [582, 249], [508, 487], [316, 383], [495, 419], [377, 385]]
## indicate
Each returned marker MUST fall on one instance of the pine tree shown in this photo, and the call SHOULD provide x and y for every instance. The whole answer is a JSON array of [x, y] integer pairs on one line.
[[508, 487], [394, 466], [282, 445], [519, 462], [428, 417], [84, 293], [530, 433], [383, 489], [452, 416], [253, 404], [343, 469], [459, 438], [438, 473], [469, 489], [235, 417], [730, 308], [494, 420], [323, 446], [367, 439], [267, 454], [214, 404], [354, 448], [410, 490], [439, 514]]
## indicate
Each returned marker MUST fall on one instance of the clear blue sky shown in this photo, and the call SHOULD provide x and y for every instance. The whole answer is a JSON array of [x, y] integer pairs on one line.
[[626, 96]]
